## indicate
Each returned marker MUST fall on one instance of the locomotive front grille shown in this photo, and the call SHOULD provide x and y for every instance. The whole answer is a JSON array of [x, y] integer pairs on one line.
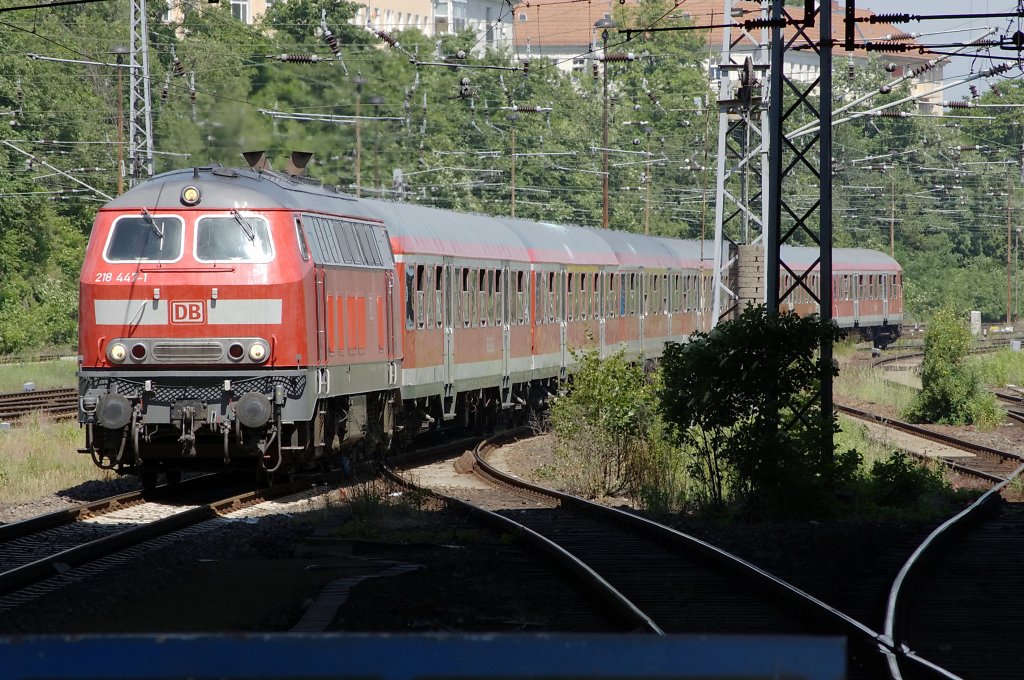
[[187, 351]]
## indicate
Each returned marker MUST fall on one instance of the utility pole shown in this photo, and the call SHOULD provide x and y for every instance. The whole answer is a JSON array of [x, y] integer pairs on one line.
[[512, 118], [120, 51], [359, 81], [892, 221], [603, 24], [647, 183], [376, 101], [1009, 219]]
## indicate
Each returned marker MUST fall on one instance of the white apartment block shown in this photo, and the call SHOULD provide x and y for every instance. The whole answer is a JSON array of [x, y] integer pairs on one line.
[[490, 20]]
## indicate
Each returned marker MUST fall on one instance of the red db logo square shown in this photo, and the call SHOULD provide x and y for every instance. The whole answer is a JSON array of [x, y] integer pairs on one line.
[[188, 311]]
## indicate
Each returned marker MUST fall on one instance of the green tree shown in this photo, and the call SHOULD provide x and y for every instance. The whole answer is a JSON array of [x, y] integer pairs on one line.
[[742, 399]]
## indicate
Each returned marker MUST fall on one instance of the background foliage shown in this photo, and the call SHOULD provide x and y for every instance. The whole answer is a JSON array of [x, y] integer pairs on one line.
[[944, 191]]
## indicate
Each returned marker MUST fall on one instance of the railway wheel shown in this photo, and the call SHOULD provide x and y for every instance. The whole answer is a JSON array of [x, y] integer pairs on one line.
[[148, 479]]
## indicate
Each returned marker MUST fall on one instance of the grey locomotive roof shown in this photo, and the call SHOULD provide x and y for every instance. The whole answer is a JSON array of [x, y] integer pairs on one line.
[[240, 188]]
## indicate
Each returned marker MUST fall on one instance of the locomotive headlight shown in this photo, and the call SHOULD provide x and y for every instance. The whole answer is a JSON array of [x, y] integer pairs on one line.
[[117, 352], [258, 352], [190, 195]]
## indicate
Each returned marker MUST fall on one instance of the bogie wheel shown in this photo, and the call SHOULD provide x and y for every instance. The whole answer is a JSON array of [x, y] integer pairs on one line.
[[148, 479]]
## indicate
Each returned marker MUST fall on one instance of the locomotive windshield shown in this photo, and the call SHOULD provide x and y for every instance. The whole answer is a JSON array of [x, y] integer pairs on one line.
[[235, 238], [145, 238]]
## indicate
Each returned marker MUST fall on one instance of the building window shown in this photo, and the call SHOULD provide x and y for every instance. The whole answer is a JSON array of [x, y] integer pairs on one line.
[[240, 10], [522, 17]]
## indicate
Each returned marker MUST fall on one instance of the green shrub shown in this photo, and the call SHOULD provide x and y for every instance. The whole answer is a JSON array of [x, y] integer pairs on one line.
[[950, 389]]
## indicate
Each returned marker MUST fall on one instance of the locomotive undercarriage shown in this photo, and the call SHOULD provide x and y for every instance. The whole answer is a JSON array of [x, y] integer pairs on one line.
[[265, 425]]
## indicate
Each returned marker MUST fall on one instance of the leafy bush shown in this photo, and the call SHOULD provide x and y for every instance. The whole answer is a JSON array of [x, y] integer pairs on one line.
[[950, 389], [609, 436], [744, 399]]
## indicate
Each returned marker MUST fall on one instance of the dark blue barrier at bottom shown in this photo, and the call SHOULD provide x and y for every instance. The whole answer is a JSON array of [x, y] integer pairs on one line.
[[401, 657]]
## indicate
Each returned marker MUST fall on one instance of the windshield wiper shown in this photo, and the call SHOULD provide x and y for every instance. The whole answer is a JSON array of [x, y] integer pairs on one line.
[[156, 227], [246, 227]]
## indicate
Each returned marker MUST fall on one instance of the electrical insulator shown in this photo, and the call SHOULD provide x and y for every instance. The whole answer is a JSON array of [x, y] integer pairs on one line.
[[958, 105], [461, 54], [19, 94], [299, 58], [332, 42], [179, 68], [890, 67], [851, 71], [192, 94], [974, 91], [526, 67], [889, 19], [885, 89], [386, 37], [595, 68], [618, 57], [165, 91], [893, 114], [636, 141], [636, 107], [995, 90]]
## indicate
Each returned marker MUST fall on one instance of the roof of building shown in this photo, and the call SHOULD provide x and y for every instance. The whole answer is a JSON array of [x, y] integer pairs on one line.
[[555, 25]]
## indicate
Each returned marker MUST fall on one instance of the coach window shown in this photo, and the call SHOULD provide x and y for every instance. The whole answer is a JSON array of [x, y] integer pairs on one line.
[[301, 239], [570, 298], [422, 309], [410, 296], [238, 238], [474, 297], [481, 295], [522, 298], [598, 308], [610, 298], [438, 296], [464, 298]]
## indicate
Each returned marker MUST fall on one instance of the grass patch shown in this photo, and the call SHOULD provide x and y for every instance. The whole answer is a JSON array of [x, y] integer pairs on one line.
[[38, 458], [871, 384], [890, 484], [998, 369], [47, 375], [380, 511]]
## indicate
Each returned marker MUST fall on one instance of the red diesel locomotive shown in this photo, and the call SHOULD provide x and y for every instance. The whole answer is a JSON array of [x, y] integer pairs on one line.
[[244, 318]]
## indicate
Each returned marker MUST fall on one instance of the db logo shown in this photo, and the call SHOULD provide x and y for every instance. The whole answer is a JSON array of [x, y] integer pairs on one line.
[[188, 312]]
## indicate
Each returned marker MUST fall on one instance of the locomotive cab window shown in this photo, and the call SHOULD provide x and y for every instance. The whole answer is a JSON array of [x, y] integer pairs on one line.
[[239, 238], [146, 238]]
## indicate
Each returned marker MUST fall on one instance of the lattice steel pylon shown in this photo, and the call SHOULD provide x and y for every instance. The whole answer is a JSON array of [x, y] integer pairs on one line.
[[788, 159], [140, 108], [741, 192]]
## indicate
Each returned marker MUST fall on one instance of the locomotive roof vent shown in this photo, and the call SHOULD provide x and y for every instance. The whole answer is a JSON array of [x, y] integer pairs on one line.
[[257, 160], [297, 163]]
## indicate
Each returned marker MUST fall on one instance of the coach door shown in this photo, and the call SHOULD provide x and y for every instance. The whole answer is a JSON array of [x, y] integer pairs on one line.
[[883, 284], [506, 335], [320, 288], [857, 284], [449, 339]]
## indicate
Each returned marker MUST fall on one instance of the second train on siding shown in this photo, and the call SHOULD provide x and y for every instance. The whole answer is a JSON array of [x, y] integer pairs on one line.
[[240, 317]]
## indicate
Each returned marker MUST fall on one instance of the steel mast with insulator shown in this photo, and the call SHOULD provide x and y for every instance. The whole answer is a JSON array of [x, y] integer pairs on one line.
[[140, 108], [741, 192]]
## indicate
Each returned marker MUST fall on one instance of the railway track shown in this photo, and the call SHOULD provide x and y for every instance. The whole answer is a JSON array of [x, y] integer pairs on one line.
[[650, 577], [981, 462], [61, 403], [955, 601], [44, 553]]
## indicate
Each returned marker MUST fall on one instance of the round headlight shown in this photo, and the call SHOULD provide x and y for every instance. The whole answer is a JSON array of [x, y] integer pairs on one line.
[[190, 195], [118, 352], [257, 352]]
